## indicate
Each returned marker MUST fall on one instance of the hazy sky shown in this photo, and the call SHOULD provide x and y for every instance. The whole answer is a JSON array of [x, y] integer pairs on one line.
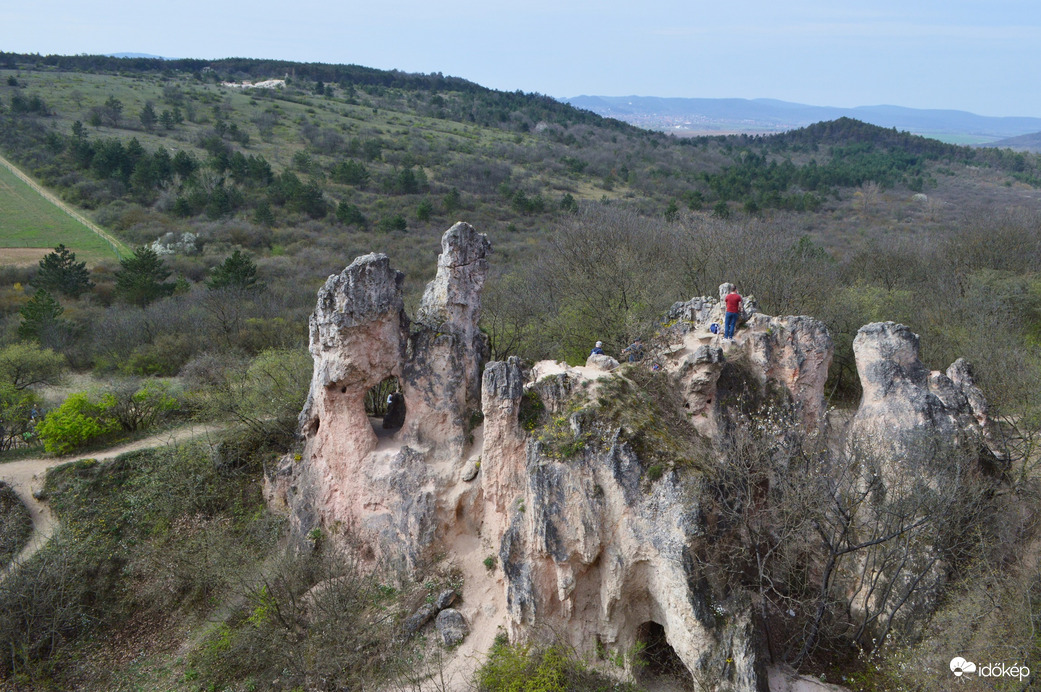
[[974, 55]]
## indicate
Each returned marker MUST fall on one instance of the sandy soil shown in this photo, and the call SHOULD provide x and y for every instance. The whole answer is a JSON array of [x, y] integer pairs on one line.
[[783, 679], [26, 478]]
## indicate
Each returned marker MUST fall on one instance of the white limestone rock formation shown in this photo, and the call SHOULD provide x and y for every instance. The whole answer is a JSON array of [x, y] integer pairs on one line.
[[587, 544], [448, 350], [792, 352], [595, 551], [385, 489], [904, 405]]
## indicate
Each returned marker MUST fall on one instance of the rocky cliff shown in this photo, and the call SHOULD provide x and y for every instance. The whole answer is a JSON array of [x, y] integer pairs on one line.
[[586, 486]]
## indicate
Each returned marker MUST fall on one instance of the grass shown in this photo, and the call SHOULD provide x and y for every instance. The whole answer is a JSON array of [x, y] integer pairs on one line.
[[16, 526], [147, 542], [27, 220]]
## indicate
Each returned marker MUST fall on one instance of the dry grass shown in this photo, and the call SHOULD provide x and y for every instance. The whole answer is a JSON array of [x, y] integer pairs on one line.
[[22, 256]]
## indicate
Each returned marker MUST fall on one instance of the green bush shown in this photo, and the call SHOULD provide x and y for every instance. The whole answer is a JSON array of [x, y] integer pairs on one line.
[[266, 393], [524, 668], [80, 420], [137, 408], [84, 418], [531, 410]]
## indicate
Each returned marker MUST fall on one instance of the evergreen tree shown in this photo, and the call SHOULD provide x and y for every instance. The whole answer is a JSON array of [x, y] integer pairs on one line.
[[236, 272], [40, 316], [148, 116], [141, 278], [60, 272], [262, 214], [350, 214]]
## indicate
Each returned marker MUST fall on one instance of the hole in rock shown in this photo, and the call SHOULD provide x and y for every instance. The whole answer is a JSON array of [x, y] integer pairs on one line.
[[385, 406], [659, 662]]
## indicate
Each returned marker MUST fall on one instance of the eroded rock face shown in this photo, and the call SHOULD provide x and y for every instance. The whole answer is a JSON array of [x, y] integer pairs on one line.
[[904, 405], [384, 489], [793, 352], [595, 551], [358, 333], [443, 375]]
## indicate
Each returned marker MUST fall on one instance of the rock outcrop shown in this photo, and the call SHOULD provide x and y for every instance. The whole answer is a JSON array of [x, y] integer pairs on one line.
[[385, 491], [594, 551], [906, 409], [583, 537], [790, 352], [448, 350]]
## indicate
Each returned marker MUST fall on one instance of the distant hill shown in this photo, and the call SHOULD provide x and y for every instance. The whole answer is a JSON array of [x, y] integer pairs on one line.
[[705, 116], [1030, 142], [137, 55], [156, 149]]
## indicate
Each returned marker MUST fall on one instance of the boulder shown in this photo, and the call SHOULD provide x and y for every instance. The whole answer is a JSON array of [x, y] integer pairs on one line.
[[470, 470], [451, 626], [601, 361], [414, 622], [445, 599]]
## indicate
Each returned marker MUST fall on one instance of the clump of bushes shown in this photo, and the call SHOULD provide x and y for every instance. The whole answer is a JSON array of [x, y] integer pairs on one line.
[[638, 403], [85, 418], [646, 407], [81, 419], [531, 410], [313, 621], [527, 668]]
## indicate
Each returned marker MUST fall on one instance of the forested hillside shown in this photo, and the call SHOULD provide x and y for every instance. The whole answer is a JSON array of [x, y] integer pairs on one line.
[[345, 159]]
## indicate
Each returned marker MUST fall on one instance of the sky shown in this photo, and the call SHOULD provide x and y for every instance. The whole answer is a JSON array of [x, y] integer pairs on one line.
[[978, 56]]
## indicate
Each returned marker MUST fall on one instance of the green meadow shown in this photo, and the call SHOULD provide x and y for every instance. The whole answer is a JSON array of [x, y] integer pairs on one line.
[[28, 220]]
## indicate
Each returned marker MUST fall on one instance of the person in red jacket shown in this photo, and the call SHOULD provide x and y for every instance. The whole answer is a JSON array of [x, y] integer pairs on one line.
[[733, 302]]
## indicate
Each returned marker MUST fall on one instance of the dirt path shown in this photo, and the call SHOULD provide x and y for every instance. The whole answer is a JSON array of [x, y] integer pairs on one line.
[[117, 246], [26, 478]]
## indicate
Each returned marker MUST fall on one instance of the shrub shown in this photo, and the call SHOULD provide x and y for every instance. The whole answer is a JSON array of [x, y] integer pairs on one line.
[[139, 408], [84, 418], [16, 526], [314, 616], [151, 534], [77, 422], [524, 668], [531, 410]]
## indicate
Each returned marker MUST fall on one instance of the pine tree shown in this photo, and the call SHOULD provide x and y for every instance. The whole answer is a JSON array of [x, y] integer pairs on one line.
[[40, 316], [141, 278], [236, 272], [60, 272], [148, 116]]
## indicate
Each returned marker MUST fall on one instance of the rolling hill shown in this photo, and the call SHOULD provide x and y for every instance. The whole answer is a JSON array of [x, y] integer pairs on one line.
[[701, 116]]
